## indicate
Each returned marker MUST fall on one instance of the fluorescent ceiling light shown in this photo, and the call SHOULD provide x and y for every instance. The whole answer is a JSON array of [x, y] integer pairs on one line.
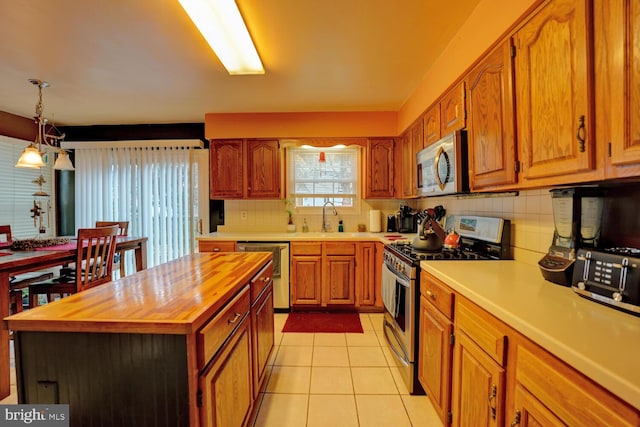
[[222, 26]]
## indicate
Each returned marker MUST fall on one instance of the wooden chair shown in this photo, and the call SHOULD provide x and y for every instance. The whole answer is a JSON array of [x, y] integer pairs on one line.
[[123, 230], [94, 265], [16, 283]]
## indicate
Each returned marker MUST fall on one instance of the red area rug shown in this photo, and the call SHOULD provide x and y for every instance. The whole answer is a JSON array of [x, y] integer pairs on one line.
[[322, 322]]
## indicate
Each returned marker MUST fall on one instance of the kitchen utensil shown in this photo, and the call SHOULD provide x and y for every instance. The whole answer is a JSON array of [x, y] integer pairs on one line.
[[430, 235]]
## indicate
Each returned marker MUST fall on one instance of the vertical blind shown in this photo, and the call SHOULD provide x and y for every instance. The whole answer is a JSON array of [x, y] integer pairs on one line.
[[154, 188], [17, 192]]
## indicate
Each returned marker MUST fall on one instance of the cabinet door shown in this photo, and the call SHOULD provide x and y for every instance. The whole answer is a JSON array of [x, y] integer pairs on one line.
[[530, 412], [262, 331], [431, 125], [306, 280], [408, 167], [436, 352], [491, 130], [226, 169], [554, 118], [478, 386], [338, 280], [365, 274], [617, 80], [229, 375], [263, 169], [453, 113], [379, 174]]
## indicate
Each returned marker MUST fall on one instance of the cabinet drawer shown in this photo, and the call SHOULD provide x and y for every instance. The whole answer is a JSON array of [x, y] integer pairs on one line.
[[485, 330], [576, 400], [214, 333], [261, 280], [216, 246], [306, 248], [437, 293], [339, 248]]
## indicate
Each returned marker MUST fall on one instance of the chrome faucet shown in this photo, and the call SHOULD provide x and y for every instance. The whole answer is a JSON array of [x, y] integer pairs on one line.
[[324, 215]]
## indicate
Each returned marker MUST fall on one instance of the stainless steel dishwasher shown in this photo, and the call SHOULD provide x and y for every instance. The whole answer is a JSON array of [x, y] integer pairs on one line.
[[280, 251]]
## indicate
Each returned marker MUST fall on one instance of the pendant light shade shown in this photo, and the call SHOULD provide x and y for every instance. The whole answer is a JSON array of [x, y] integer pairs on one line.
[[63, 162], [30, 158]]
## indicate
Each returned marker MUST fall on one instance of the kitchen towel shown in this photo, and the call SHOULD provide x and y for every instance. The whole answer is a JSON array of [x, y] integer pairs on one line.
[[375, 223]]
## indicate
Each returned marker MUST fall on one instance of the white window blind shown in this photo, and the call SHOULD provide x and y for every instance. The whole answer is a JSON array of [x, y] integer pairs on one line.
[[17, 192], [320, 174], [154, 188]]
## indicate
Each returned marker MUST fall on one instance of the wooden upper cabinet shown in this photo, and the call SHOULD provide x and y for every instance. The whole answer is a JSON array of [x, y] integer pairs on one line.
[[490, 123], [244, 169], [453, 113], [553, 95], [263, 169], [412, 142], [380, 171], [617, 82], [431, 125], [226, 166]]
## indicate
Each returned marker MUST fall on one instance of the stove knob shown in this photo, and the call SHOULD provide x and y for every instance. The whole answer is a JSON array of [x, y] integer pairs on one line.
[[617, 296]]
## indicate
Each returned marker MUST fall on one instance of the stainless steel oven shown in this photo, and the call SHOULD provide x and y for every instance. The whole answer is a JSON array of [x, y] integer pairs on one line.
[[400, 297]]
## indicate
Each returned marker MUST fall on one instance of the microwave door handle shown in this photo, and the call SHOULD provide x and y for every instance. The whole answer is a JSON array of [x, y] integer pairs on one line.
[[419, 175]]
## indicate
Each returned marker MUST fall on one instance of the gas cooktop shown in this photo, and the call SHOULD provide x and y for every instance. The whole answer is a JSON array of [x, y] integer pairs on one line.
[[414, 255]]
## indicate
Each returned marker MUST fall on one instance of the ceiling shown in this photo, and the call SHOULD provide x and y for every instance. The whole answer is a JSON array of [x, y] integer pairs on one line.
[[143, 61]]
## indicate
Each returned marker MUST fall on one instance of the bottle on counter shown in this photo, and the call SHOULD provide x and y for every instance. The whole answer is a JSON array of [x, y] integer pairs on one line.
[[340, 227], [305, 226]]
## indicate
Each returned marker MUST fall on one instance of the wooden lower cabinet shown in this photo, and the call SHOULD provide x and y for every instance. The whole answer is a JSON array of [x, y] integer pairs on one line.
[[262, 335], [478, 386], [435, 356], [227, 385], [500, 377], [334, 275]]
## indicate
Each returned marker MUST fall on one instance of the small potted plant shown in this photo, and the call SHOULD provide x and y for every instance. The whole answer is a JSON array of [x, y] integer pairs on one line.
[[289, 206]]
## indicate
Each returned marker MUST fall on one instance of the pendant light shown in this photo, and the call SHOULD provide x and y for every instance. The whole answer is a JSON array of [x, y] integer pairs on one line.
[[32, 155]]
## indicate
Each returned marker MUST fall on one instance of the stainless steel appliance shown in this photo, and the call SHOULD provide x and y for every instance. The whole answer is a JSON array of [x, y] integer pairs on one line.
[[610, 276], [481, 238], [577, 216], [442, 166], [280, 251]]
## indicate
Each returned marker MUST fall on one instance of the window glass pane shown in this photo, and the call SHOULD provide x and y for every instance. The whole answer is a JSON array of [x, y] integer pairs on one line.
[[324, 174]]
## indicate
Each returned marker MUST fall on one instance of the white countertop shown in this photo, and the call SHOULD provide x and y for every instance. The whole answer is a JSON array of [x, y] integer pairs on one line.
[[599, 341], [299, 236]]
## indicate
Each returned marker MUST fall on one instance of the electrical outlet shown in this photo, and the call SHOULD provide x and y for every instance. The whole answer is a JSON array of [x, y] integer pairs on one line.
[[244, 215]]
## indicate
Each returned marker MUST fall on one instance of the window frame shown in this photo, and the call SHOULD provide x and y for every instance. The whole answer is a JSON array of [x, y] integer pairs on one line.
[[357, 179]]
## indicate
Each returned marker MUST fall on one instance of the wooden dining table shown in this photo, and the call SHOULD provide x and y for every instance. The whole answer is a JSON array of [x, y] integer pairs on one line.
[[18, 262]]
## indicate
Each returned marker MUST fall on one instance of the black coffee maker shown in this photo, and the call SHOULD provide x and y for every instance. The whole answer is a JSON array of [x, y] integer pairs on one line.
[[406, 220]]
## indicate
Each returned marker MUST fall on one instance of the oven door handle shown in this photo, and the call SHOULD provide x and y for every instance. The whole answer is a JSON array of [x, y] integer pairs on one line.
[[397, 349]]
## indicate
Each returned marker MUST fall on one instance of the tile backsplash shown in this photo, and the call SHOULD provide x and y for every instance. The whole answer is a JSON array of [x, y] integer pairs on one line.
[[529, 211]]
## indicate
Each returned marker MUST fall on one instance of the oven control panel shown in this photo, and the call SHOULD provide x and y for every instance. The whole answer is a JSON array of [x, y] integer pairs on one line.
[[399, 265]]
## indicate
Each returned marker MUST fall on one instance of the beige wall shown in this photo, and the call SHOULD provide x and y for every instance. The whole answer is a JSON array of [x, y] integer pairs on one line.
[[529, 212]]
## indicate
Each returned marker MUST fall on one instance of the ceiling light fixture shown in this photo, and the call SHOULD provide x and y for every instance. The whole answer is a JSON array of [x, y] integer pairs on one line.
[[32, 155], [221, 24]]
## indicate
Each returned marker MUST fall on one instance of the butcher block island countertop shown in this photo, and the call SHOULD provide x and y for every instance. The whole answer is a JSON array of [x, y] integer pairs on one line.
[[177, 297], [166, 346]]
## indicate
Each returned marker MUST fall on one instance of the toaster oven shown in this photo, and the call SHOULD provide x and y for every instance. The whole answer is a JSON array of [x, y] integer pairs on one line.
[[610, 276]]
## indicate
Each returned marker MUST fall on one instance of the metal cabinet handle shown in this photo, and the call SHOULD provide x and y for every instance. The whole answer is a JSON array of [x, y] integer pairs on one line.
[[216, 249], [236, 316], [516, 419], [580, 134], [432, 295], [266, 279], [492, 400]]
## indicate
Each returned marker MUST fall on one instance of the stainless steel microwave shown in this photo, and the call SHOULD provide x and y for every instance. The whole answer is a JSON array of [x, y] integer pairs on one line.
[[442, 166]]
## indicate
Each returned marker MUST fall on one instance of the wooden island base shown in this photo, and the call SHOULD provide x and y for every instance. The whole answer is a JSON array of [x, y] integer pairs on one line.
[[166, 346]]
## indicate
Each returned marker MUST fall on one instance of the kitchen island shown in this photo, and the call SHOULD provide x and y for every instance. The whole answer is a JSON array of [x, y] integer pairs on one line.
[[138, 351]]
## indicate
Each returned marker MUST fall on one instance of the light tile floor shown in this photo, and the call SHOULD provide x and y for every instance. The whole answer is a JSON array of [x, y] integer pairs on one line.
[[337, 380]]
